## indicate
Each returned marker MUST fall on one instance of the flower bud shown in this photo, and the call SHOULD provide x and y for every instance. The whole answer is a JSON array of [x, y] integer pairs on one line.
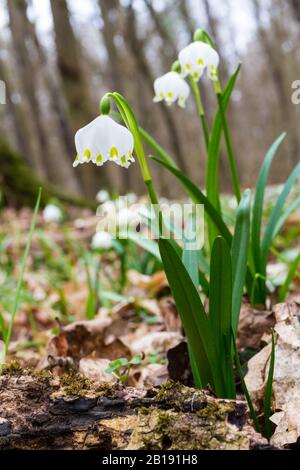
[[203, 36], [176, 67], [105, 105]]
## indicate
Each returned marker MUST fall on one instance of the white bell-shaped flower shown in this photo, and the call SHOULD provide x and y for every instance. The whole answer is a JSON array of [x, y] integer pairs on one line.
[[52, 213], [213, 61], [102, 196], [102, 241], [195, 57], [171, 87], [104, 140]]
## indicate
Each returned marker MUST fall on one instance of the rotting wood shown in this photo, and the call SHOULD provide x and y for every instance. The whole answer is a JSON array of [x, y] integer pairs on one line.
[[41, 411]]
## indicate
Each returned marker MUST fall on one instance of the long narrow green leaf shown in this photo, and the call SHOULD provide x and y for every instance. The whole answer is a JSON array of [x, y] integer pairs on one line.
[[190, 261], [199, 198], [276, 213], [193, 317], [21, 276], [212, 171], [220, 305], [259, 201], [190, 256], [189, 306], [239, 254]]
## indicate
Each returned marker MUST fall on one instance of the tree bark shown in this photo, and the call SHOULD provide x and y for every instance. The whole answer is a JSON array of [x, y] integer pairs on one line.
[[40, 411], [25, 67]]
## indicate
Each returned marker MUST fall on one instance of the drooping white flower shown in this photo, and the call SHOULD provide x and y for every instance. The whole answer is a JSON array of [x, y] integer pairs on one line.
[[104, 140], [131, 198], [171, 87], [213, 61], [102, 196], [102, 241], [196, 57], [52, 213]]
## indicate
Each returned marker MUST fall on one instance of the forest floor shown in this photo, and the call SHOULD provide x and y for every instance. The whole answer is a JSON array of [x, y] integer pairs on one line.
[[83, 317]]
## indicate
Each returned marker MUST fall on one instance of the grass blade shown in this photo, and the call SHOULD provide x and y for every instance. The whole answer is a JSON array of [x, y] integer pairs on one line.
[[268, 394], [245, 389], [288, 211], [283, 291], [21, 275], [193, 316]]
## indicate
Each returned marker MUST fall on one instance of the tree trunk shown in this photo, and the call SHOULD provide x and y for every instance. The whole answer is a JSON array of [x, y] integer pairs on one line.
[[63, 148], [40, 411], [25, 67]]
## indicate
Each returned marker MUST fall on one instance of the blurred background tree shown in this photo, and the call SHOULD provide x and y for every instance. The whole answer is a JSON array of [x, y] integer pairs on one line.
[[58, 57]]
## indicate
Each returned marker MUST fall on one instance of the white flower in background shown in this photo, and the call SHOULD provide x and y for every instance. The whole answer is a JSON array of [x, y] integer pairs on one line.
[[104, 140], [171, 87], [196, 57], [131, 198], [127, 217], [102, 196], [108, 206], [52, 213], [102, 241]]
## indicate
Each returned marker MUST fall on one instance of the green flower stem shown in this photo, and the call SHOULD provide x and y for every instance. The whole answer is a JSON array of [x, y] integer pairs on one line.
[[200, 107], [155, 201], [231, 159]]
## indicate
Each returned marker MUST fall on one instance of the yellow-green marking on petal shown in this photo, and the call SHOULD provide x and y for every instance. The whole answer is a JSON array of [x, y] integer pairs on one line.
[[123, 160], [87, 153], [114, 152], [99, 158]]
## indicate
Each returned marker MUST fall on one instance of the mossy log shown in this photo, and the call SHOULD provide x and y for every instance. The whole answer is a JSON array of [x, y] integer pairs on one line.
[[19, 185], [42, 411]]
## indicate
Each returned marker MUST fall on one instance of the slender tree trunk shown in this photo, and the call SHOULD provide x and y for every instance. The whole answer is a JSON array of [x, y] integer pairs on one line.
[[169, 49], [63, 148], [16, 111], [25, 69], [275, 62], [109, 12], [295, 4]]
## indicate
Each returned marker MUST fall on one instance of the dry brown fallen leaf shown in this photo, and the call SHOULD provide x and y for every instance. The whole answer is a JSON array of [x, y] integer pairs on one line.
[[95, 369], [286, 384], [169, 313], [156, 341], [84, 339], [142, 284], [253, 325]]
